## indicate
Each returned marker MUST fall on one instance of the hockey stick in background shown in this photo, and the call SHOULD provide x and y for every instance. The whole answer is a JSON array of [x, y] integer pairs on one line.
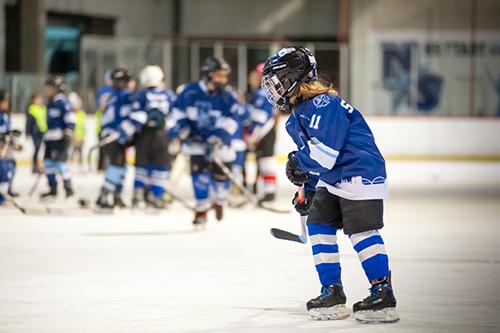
[[246, 192], [106, 141], [35, 184], [286, 235]]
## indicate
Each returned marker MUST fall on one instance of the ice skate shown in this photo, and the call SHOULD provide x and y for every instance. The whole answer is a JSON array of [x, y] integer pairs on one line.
[[200, 220], [219, 212], [50, 195], [379, 307], [330, 305]]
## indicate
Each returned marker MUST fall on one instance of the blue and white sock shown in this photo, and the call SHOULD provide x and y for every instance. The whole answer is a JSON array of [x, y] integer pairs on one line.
[[371, 252], [325, 253]]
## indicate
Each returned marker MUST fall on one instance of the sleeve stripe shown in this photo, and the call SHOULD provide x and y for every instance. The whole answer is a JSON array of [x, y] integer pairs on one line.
[[322, 154]]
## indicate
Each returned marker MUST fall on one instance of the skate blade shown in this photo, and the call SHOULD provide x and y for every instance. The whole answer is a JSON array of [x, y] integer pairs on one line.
[[335, 312], [387, 315]]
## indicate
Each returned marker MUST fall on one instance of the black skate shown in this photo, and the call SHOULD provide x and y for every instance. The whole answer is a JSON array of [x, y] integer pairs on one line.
[[69, 192], [118, 202], [219, 212], [330, 305], [200, 219], [268, 197], [103, 202], [50, 195], [380, 306]]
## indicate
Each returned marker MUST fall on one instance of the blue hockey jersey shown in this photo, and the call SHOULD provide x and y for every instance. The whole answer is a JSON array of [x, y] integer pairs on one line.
[[60, 118], [336, 146], [261, 115], [118, 108], [198, 116], [4, 123], [151, 108]]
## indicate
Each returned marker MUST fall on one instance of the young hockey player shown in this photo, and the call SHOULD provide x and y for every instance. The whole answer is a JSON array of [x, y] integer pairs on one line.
[[344, 179], [262, 134], [150, 109], [203, 116], [58, 136], [9, 142], [118, 107]]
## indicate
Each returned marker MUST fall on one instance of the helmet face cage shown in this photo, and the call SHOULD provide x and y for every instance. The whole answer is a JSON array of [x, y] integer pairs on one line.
[[275, 91]]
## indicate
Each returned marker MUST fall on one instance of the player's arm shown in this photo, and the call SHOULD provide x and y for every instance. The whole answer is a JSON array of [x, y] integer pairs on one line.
[[135, 121], [178, 125], [69, 120]]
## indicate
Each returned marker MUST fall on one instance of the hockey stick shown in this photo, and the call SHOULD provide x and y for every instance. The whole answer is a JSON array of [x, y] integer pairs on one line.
[[35, 184], [106, 141], [181, 201], [286, 235], [246, 192]]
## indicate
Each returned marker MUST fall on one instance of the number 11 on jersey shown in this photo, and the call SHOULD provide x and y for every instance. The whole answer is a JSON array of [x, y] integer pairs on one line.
[[315, 121]]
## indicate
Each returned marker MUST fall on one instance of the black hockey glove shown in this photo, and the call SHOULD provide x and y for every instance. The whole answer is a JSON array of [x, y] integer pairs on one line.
[[303, 207], [294, 174]]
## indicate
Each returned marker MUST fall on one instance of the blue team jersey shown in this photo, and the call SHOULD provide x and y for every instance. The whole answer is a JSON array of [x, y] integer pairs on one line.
[[336, 146], [4, 123], [150, 108], [261, 111], [104, 91], [60, 118], [199, 115], [118, 108]]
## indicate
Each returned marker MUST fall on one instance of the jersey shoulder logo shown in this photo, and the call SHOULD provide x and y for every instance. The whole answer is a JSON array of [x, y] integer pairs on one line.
[[321, 101]]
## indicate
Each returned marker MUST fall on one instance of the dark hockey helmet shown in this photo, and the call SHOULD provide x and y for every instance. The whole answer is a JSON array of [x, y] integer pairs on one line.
[[4, 95], [284, 71], [57, 82], [212, 65], [121, 74]]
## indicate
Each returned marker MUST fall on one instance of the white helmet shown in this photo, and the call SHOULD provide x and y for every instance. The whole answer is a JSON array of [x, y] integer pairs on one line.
[[75, 101], [151, 76]]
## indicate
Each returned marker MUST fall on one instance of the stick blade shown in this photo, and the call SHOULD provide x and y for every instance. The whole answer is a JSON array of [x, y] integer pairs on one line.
[[285, 235]]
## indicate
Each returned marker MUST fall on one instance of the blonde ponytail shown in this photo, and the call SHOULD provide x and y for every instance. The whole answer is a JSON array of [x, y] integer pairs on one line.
[[311, 89]]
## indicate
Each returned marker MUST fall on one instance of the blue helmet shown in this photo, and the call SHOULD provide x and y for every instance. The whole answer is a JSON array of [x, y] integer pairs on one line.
[[284, 71]]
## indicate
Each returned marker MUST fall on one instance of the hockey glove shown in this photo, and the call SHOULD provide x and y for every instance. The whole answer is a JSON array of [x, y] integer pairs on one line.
[[303, 207], [294, 174]]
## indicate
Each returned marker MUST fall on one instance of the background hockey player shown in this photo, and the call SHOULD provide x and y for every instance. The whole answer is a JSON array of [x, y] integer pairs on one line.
[[57, 138], [344, 178], [9, 142], [150, 109], [262, 136], [80, 127], [117, 110], [36, 125], [203, 116]]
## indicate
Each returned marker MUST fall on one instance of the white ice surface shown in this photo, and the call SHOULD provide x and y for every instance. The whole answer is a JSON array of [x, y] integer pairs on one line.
[[151, 273]]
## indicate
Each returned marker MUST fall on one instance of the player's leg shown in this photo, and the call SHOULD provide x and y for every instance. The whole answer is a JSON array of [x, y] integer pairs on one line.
[[161, 165], [201, 178], [267, 165], [12, 165], [4, 180], [63, 168], [110, 194], [238, 167], [322, 224], [141, 181], [220, 186], [362, 220], [142, 171], [50, 169]]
